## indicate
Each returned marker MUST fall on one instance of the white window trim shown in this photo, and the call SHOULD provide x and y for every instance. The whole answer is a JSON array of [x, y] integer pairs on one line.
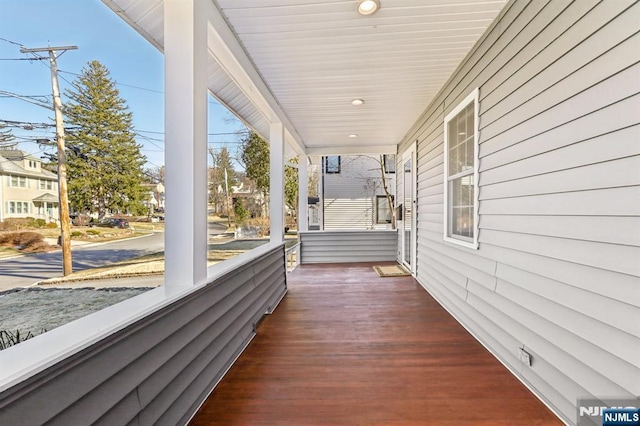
[[410, 153], [472, 97], [377, 212], [25, 207], [18, 178]]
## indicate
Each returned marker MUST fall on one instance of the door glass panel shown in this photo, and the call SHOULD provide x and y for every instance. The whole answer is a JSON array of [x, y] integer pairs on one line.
[[408, 211]]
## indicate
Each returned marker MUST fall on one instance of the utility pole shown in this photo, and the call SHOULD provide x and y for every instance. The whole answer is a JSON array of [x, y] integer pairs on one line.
[[65, 231], [226, 185]]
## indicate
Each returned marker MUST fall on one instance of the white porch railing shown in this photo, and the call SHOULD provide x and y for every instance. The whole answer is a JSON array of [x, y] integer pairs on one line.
[[292, 257], [348, 246]]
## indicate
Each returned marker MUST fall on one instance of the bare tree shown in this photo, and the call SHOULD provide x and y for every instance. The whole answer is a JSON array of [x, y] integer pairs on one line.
[[383, 183]]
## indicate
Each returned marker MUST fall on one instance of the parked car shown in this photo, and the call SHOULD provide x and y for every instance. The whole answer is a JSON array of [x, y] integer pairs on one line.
[[113, 222]]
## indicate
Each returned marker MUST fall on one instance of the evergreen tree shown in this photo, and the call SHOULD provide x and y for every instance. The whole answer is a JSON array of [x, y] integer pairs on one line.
[[255, 156], [105, 165], [291, 185], [6, 138]]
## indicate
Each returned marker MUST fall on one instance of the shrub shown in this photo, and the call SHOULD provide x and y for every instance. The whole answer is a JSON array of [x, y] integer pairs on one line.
[[37, 246], [52, 225], [241, 213], [26, 239], [76, 233], [93, 232], [32, 222], [262, 223], [14, 224], [8, 238], [7, 338]]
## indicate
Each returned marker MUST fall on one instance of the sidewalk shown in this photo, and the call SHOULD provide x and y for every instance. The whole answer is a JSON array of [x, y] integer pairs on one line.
[[74, 243]]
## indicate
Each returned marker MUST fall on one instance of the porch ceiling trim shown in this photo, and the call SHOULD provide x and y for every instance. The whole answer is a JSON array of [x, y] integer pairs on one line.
[[352, 150], [227, 51]]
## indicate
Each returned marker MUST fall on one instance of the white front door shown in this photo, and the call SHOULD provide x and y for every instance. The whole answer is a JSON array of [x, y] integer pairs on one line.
[[409, 204]]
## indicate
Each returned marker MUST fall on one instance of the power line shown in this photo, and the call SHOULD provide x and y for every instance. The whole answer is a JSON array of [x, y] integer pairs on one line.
[[210, 134], [150, 141], [12, 42], [22, 59], [119, 84]]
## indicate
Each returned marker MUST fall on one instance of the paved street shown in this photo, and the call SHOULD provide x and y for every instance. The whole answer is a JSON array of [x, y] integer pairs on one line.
[[23, 271]]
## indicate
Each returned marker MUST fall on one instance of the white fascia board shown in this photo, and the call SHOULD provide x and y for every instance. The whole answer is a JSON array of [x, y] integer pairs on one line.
[[118, 10], [227, 50], [352, 150]]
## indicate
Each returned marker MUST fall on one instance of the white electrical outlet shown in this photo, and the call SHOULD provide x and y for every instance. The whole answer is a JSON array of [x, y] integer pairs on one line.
[[525, 357]]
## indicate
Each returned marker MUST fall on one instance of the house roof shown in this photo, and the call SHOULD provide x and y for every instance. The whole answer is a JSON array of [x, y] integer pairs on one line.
[[11, 163], [309, 59], [16, 155], [46, 198]]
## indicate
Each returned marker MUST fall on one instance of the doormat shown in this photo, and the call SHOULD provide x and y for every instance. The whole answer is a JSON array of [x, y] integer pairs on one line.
[[391, 271]]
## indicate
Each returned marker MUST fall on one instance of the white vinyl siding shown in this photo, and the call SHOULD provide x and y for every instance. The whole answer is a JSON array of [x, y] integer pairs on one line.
[[349, 197], [556, 269], [348, 246]]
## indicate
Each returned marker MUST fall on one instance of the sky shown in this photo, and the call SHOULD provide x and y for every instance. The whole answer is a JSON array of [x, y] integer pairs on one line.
[[134, 64]]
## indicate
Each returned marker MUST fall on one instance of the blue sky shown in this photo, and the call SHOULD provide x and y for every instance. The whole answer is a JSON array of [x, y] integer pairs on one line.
[[100, 34]]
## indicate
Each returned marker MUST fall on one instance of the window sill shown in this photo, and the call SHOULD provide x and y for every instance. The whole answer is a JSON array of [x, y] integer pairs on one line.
[[472, 245]]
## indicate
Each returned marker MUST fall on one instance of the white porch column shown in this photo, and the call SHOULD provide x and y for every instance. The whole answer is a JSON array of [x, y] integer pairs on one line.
[[185, 54], [321, 194], [276, 183], [303, 194]]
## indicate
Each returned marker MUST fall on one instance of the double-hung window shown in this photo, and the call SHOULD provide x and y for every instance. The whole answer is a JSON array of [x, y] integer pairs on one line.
[[383, 209], [461, 173], [18, 181], [332, 164], [389, 163], [17, 207]]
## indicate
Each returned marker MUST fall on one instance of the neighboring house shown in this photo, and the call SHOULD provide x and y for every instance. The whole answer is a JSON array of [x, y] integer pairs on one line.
[[352, 194], [253, 201], [26, 189], [155, 196]]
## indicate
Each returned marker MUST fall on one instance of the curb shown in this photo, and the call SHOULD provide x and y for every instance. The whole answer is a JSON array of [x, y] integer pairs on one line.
[[107, 277], [88, 245]]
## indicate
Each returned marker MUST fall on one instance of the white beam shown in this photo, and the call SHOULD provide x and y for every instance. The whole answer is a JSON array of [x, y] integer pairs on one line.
[[185, 55], [276, 183], [352, 150], [303, 194]]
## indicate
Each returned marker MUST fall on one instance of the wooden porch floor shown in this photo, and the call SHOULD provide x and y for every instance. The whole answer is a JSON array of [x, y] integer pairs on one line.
[[348, 347]]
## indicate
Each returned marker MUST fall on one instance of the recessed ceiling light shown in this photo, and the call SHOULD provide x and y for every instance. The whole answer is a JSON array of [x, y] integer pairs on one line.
[[368, 7], [357, 102], [353, 135]]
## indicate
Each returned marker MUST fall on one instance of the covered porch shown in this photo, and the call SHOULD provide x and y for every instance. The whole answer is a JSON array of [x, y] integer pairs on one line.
[[324, 344], [349, 347]]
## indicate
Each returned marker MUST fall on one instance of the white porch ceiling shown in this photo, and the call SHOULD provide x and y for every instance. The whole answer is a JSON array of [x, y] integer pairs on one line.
[[316, 56]]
